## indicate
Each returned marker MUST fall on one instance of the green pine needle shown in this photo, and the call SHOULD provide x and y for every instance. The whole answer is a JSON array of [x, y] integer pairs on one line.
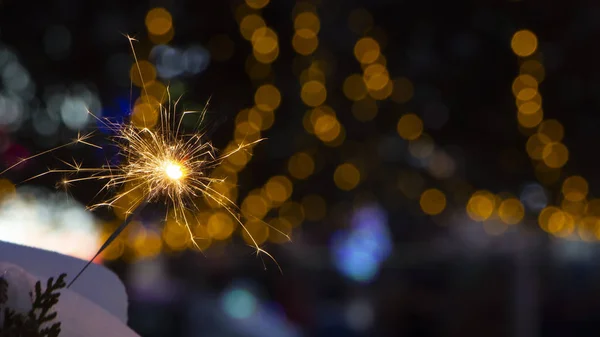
[[30, 324]]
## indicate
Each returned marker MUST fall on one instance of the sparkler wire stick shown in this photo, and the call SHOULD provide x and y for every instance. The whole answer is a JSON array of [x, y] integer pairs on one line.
[[111, 238]]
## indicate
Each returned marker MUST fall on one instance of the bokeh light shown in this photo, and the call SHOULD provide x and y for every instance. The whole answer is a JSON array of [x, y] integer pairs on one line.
[[481, 205], [220, 225], [421, 147], [292, 212], [267, 97], [360, 315], [305, 41], [365, 109], [552, 130], [159, 21], [524, 43], [433, 201], [410, 126], [405, 117], [555, 155], [147, 70], [357, 253], [278, 189], [575, 188], [257, 4], [534, 197], [239, 303], [511, 211], [346, 176], [250, 24], [307, 20], [256, 232], [301, 165], [366, 50], [354, 87], [281, 230], [313, 93]]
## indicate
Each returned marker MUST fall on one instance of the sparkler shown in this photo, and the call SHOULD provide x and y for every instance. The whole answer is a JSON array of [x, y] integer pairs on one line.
[[156, 163]]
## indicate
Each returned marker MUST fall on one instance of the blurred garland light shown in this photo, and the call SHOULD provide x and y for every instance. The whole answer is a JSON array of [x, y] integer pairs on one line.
[[410, 126], [301, 165], [313, 93], [306, 29], [159, 24], [365, 109], [524, 43], [257, 4], [481, 205], [433, 201], [575, 188], [366, 50], [346, 176], [511, 211], [545, 146], [249, 122]]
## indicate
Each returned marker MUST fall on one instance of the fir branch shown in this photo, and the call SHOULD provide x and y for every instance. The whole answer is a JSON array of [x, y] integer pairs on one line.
[[46, 300], [30, 324], [16, 325]]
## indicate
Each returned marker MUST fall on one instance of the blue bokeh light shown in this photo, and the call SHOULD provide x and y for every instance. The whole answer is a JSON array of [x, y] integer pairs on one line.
[[534, 197], [117, 112], [239, 303], [357, 263], [358, 253]]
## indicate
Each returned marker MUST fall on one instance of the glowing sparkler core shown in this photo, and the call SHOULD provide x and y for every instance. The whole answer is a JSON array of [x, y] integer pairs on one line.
[[173, 170]]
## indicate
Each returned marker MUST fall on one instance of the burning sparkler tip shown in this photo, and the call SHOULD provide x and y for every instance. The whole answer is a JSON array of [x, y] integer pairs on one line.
[[173, 170]]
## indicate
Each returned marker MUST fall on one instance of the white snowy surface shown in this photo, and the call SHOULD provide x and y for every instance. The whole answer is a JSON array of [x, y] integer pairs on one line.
[[97, 283], [79, 316], [18, 291], [45, 219]]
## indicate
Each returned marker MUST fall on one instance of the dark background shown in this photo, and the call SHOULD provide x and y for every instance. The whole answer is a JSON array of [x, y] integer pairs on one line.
[[444, 275]]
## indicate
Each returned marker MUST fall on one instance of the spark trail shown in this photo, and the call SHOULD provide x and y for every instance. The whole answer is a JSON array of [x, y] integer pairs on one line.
[[156, 163]]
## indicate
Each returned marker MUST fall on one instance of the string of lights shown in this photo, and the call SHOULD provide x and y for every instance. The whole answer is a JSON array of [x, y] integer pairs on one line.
[[575, 217]]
